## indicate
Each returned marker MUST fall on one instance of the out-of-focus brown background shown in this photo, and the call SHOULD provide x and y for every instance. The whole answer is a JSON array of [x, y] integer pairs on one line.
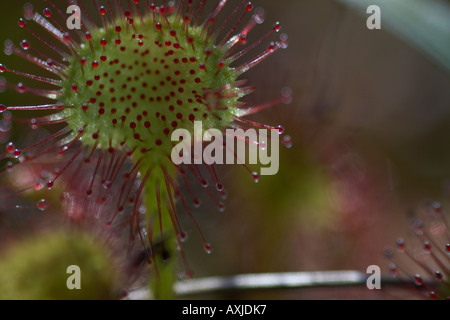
[[370, 128]]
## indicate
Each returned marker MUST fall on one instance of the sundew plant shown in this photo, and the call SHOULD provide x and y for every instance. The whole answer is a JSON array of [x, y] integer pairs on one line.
[[119, 78]]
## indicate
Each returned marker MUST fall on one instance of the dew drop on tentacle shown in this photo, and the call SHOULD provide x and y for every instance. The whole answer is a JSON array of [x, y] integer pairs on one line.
[[223, 194], [418, 280], [9, 166], [287, 141], [28, 11], [221, 206], [280, 129], [39, 186], [207, 247], [426, 247], [9, 47], [286, 95], [50, 185], [219, 187], [400, 244], [183, 236], [393, 269], [263, 145], [41, 205], [17, 153], [10, 148], [196, 203], [6, 122], [284, 41], [25, 45]]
